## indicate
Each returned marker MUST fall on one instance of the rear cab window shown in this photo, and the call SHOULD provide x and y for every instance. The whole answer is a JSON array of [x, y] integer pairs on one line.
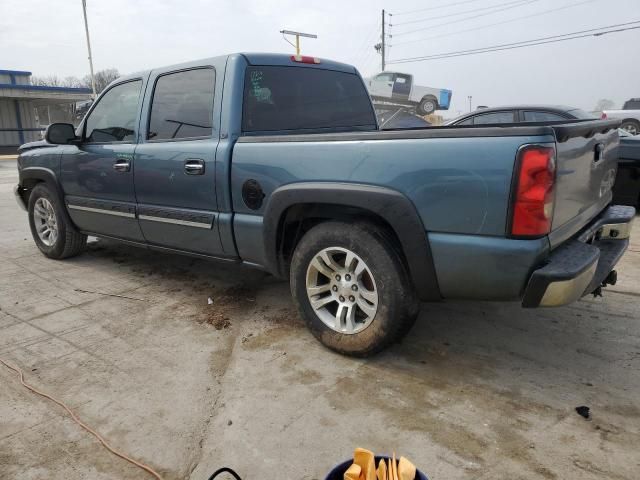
[[280, 98]]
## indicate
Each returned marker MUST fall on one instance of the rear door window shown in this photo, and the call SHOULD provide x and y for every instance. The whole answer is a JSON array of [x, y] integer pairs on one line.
[[540, 116], [494, 117], [297, 98], [182, 105]]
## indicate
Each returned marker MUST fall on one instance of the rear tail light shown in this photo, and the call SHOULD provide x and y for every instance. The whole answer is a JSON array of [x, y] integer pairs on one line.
[[534, 191], [603, 116], [304, 59]]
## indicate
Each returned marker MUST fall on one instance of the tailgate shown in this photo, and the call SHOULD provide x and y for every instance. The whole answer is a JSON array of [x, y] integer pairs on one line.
[[586, 165]]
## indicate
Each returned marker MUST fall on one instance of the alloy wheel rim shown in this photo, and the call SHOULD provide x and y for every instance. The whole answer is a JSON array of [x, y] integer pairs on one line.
[[342, 290], [44, 217], [632, 129]]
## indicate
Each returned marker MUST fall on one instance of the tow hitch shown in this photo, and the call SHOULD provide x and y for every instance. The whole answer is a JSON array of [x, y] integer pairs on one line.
[[611, 279]]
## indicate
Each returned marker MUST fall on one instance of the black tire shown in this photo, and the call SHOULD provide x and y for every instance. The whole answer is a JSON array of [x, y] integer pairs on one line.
[[631, 126], [427, 106], [69, 242], [398, 305]]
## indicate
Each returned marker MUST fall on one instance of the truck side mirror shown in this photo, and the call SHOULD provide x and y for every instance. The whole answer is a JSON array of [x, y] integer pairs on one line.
[[60, 133]]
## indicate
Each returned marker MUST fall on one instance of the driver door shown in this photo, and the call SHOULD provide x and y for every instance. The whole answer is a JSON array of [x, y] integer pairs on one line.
[[97, 174]]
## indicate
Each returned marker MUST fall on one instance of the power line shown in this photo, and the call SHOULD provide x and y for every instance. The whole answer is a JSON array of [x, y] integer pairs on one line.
[[492, 24], [448, 15], [437, 7], [525, 43], [367, 49], [520, 4]]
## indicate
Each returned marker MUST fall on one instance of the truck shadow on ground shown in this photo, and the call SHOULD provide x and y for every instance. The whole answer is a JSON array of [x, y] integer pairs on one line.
[[472, 340]]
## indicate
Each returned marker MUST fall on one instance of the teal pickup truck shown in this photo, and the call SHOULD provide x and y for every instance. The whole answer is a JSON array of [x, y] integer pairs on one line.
[[276, 162]]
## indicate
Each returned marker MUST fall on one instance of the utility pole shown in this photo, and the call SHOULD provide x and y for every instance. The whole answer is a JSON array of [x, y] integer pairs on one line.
[[382, 48], [86, 29]]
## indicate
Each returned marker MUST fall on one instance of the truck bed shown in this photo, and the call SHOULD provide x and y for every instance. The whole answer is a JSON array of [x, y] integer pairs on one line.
[[458, 178]]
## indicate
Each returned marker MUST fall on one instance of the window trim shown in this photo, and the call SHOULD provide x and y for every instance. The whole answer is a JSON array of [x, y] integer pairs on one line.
[[153, 94], [331, 129], [514, 117], [95, 105]]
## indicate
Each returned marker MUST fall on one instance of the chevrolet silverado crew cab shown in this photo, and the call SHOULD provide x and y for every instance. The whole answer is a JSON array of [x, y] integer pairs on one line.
[[277, 162]]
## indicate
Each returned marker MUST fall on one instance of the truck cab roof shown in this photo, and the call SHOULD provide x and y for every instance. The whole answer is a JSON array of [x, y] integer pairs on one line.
[[254, 58]]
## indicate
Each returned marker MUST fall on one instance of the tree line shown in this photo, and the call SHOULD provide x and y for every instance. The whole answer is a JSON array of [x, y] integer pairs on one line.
[[102, 78]]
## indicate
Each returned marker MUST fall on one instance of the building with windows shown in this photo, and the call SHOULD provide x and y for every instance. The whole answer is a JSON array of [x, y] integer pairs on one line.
[[26, 109]]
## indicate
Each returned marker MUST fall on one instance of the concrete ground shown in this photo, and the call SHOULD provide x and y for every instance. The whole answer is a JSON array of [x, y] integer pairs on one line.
[[126, 337]]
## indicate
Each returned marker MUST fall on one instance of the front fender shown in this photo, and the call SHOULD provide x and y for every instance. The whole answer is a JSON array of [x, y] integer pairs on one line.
[[28, 175], [389, 205]]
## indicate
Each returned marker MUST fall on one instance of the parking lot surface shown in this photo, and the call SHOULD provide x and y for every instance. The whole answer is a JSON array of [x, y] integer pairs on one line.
[[128, 338]]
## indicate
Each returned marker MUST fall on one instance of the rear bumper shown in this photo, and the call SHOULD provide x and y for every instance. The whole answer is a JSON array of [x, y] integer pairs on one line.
[[17, 190], [579, 266]]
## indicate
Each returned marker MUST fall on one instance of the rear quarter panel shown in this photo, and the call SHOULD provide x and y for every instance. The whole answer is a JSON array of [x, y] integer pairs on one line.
[[458, 185]]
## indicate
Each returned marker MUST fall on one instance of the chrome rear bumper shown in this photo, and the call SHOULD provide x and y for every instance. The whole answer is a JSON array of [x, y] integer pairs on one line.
[[580, 266]]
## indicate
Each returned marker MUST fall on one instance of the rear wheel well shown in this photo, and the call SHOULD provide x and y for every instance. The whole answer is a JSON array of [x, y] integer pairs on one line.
[[430, 97], [298, 219]]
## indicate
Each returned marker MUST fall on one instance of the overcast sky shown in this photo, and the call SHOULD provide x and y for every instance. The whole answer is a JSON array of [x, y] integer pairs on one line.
[[47, 37]]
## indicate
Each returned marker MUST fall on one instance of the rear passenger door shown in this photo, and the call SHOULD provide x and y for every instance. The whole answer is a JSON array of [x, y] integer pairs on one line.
[[402, 87], [175, 160]]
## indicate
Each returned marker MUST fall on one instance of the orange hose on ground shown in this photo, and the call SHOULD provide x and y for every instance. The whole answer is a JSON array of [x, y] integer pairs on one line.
[[106, 445]]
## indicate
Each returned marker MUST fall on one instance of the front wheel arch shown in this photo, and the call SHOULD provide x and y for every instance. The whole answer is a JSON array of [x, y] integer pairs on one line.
[[32, 176]]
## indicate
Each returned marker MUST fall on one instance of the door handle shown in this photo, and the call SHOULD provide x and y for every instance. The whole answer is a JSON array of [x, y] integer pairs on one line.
[[194, 166], [122, 165]]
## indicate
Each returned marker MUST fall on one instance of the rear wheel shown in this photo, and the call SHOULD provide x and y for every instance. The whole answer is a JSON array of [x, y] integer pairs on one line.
[[427, 106], [631, 126], [54, 235], [351, 288]]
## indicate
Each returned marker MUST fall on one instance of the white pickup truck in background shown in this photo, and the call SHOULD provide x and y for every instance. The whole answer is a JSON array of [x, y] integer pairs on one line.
[[630, 116], [395, 87]]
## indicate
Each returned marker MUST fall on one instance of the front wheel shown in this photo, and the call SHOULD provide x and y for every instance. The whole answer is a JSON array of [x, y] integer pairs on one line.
[[54, 235], [351, 288]]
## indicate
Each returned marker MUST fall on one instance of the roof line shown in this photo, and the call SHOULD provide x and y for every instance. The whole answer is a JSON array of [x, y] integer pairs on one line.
[[45, 88], [14, 72]]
